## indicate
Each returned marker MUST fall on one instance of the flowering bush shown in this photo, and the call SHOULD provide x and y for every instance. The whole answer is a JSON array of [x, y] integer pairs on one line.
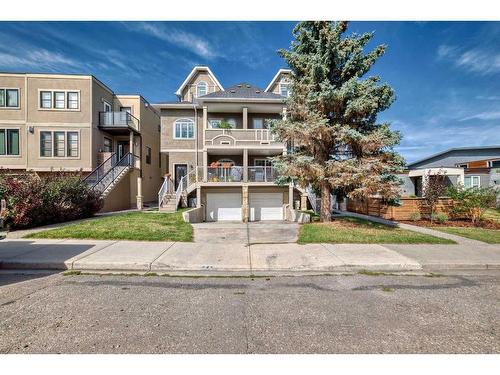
[[34, 200], [472, 202]]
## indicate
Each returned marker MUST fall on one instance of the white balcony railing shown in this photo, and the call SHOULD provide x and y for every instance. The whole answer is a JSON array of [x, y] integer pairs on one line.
[[262, 174], [238, 136], [225, 174]]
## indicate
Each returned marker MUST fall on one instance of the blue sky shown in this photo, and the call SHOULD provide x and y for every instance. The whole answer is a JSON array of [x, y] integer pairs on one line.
[[446, 74]]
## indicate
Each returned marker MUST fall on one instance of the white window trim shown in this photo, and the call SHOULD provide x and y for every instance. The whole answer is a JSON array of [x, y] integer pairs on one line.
[[20, 142], [18, 97], [53, 100], [184, 119], [472, 181], [288, 89], [198, 85], [52, 157], [104, 103]]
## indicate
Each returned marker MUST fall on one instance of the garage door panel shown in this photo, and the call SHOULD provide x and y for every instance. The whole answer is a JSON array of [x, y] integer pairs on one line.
[[223, 206], [266, 206]]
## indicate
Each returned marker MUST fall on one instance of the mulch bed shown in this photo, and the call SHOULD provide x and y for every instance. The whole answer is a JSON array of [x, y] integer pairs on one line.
[[486, 224]]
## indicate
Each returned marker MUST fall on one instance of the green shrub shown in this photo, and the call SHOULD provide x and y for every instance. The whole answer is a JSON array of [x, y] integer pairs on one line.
[[415, 216], [34, 200], [439, 217], [471, 203]]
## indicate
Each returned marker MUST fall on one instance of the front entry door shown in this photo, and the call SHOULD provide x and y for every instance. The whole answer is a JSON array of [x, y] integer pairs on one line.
[[180, 171], [123, 148]]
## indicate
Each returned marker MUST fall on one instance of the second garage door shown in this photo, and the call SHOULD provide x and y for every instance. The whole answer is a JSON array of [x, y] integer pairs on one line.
[[266, 206], [223, 206]]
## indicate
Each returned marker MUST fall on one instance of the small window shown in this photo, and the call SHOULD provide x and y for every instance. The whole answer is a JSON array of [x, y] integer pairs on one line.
[[73, 100], [72, 144], [59, 100], [201, 89], [184, 129], [463, 165], [495, 164], [59, 144], [2, 97], [107, 107], [285, 89], [9, 142], [472, 181], [12, 98], [148, 155], [46, 144], [126, 109], [46, 99], [108, 145]]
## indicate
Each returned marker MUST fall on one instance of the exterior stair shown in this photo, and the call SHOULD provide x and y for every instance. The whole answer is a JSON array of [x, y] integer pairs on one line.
[[109, 173]]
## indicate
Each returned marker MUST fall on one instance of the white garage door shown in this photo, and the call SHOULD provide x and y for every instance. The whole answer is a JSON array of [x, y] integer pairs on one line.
[[266, 206], [223, 206]]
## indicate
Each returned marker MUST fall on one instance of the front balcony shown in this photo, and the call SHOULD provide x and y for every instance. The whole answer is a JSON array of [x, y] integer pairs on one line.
[[118, 122], [232, 175], [240, 137]]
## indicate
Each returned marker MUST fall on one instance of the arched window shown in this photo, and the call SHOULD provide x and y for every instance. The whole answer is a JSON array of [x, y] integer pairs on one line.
[[201, 89], [184, 129]]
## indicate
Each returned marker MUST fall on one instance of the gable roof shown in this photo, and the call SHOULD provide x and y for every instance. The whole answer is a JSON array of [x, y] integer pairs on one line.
[[193, 72], [242, 91], [275, 78], [450, 151]]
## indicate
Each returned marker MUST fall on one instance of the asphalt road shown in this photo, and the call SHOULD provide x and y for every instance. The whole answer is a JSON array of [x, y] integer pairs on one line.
[[322, 314]]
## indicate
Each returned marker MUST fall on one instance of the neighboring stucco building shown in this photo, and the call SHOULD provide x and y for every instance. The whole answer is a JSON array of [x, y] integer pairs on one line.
[[217, 141], [70, 122]]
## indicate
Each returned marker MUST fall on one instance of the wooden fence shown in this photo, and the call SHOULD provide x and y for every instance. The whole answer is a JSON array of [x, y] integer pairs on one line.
[[375, 207]]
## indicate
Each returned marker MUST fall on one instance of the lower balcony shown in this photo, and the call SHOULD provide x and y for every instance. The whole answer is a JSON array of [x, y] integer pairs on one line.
[[241, 174]]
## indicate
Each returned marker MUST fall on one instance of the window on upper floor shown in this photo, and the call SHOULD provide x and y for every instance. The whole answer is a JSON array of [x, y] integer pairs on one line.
[[59, 99], [201, 89], [106, 106], [184, 129], [9, 141], [494, 164], [9, 98], [107, 145], [148, 155], [472, 181], [285, 89]]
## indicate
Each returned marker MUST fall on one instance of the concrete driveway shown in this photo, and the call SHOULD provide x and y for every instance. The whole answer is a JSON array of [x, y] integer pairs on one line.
[[260, 232]]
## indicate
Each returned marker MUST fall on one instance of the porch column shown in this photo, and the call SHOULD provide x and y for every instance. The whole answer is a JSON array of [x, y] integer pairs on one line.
[[245, 165], [205, 165], [245, 212], [303, 202], [139, 193], [205, 117], [245, 118], [290, 196], [198, 196]]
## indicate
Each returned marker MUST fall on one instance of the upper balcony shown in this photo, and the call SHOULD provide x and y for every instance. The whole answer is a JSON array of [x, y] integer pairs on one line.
[[119, 122], [241, 137]]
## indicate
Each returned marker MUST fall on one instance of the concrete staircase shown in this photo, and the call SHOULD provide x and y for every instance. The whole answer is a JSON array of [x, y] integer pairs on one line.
[[169, 203]]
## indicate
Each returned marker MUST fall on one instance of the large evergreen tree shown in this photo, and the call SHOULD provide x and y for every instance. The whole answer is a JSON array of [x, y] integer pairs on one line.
[[331, 122]]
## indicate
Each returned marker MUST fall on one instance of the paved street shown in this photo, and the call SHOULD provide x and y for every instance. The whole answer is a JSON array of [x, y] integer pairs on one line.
[[453, 313]]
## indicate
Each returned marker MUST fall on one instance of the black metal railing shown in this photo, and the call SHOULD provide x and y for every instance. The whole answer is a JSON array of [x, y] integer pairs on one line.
[[103, 168], [118, 119]]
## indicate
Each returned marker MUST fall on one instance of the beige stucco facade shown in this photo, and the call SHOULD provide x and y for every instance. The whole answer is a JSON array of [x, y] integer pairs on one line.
[[80, 121]]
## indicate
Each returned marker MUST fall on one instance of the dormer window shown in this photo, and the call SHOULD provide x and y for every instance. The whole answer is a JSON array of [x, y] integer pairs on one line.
[[201, 89], [285, 89]]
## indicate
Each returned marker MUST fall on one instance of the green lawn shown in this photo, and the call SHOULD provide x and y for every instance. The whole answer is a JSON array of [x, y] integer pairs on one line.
[[135, 226], [492, 214], [354, 230], [480, 234]]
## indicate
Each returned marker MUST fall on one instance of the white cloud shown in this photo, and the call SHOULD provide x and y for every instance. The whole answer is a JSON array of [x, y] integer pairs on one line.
[[487, 115], [36, 58], [188, 41], [478, 60]]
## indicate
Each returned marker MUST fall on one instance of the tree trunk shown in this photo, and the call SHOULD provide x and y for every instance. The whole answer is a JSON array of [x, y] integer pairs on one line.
[[325, 215]]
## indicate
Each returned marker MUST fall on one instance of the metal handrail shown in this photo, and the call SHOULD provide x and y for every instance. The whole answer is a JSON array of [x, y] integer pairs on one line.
[[126, 161], [112, 159], [166, 188]]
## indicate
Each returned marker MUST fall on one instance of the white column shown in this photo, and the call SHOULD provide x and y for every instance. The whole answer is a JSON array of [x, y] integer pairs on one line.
[[245, 165], [205, 166], [198, 196], [290, 195], [139, 193], [245, 118]]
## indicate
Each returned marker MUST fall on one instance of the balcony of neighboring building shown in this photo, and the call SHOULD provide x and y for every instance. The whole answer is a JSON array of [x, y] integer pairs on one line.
[[119, 123]]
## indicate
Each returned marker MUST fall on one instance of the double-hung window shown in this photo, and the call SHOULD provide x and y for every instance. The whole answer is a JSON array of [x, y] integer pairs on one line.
[[59, 144], [184, 129], [72, 144], [72, 100], [59, 100], [201, 89], [285, 89], [46, 144], [46, 99], [9, 98], [472, 181], [9, 142]]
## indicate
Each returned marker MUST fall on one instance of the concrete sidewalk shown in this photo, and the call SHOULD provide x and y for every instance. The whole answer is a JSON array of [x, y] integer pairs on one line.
[[233, 258]]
